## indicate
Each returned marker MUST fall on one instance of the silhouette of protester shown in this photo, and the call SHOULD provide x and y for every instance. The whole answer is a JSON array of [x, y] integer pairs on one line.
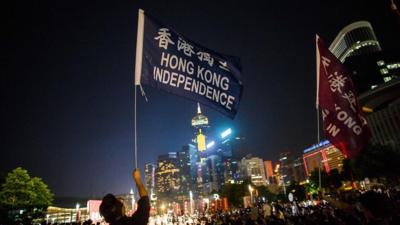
[[113, 209]]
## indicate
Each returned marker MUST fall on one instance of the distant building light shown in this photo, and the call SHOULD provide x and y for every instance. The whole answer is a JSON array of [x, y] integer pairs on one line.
[[322, 143], [374, 86], [387, 79], [393, 66], [380, 63], [209, 145], [226, 133], [384, 71]]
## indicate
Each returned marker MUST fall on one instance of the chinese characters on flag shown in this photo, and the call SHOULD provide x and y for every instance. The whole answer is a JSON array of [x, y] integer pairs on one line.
[[344, 125]]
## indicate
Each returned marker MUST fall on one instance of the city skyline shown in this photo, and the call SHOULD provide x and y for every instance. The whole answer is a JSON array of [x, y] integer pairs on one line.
[[68, 98]]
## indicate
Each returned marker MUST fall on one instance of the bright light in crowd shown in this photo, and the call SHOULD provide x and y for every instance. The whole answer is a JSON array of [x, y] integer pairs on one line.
[[226, 133], [77, 206], [209, 145]]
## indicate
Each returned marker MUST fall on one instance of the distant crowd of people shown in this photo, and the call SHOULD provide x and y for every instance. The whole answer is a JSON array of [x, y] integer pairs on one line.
[[356, 208], [374, 207]]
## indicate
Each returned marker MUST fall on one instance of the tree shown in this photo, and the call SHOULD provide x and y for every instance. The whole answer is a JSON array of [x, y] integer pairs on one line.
[[297, 190], [314, 178], [234, 193], [21, 193], [376, 161], [266, 192], [17, 190]]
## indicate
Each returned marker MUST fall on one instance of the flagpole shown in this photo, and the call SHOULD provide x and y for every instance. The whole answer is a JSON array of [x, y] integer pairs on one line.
[[317, 108], [316, 96], [138, 72], [135, 129]]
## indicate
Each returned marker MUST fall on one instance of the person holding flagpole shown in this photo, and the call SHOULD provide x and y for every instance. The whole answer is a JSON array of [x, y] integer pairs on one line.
[[113, 210]]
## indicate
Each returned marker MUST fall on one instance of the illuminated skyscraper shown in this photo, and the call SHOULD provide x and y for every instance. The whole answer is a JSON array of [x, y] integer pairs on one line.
[[200, 125], [184, 173], [286, 167], [168, 176], [269, 172], [150, 178], [253, 167], [355, 39]]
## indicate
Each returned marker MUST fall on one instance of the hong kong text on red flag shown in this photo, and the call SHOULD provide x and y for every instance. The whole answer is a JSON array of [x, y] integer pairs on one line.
[[344, 125]]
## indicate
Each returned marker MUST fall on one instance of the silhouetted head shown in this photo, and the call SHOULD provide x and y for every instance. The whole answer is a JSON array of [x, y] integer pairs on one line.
[[111, 208]]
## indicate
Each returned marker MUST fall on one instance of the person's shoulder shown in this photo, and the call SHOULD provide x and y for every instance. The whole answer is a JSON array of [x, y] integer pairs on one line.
[[126, 220]]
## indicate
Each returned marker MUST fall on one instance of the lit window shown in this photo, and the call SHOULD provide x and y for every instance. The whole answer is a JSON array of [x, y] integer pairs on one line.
[[393, 66], [387, 79], [384, 71], [380, 63]]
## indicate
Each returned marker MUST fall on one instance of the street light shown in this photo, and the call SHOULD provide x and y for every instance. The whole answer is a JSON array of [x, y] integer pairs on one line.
[[77, 212], [251, 194], [132, 199], [162, 207], [191, 202]]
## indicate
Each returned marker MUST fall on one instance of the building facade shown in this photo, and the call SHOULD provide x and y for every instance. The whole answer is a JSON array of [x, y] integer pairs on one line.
[[168, 176], [382, 108], [286, 168], [355, 39], [322, 156], [253, 168], [269, 172], [150, 178]]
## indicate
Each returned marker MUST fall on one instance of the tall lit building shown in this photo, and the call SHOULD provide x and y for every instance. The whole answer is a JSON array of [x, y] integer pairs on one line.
[[231, 170], [168, 176], [150, 178], [185, 176], [253, 167], [355, 39], [200, 126], [382, 109], [370, 70], [269, 172], [376, 78], [324, 156], [299, 174], [286, 167]]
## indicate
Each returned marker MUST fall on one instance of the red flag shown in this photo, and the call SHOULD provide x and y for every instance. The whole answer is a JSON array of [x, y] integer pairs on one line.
[[344, 125]]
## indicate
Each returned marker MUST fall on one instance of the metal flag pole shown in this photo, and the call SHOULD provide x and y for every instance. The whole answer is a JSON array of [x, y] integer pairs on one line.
[[138, 72], [135, 128], [317, 94], [317, 107]]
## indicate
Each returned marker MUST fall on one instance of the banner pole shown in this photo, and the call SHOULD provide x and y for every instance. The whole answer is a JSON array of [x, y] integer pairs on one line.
[[135, 129], [317, 81], [138, 72]]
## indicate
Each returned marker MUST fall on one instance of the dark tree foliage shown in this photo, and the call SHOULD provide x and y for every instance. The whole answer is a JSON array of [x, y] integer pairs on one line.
[[298, 191], [376, 161], [22, 198]]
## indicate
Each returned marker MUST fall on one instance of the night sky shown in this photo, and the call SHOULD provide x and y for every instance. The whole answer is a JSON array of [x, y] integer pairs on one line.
[[67, 88]]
